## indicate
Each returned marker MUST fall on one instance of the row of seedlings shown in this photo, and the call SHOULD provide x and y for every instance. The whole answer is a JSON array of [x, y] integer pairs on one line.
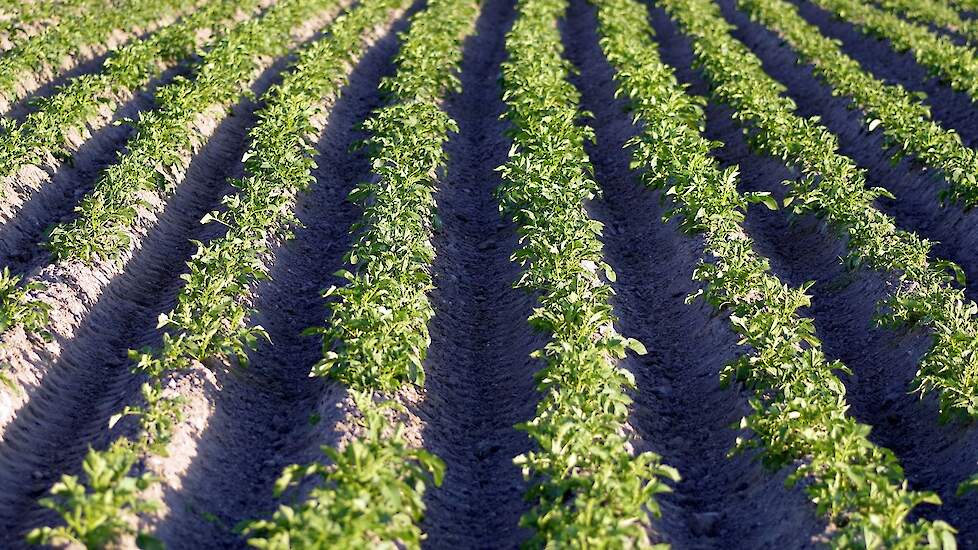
[[101, 26], [939, 13], [956, 65], [834, 188], [369, 490], [20, 20], [905, 121], [965, 6], [64, 121], [588, 487], [100, 509], [157, 157], [799, 407]]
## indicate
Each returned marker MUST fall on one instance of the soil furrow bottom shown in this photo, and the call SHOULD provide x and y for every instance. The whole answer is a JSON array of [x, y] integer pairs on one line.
[[681, 412], [264, 415], [479, 380]]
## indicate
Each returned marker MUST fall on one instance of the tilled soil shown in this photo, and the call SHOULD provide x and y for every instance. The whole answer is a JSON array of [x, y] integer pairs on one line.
[[479, 373], [681, 412], [245, 424]]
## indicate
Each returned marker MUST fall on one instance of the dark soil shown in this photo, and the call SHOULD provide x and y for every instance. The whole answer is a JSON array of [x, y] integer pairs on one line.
[[263, 416], [479, 373], [245, 425]]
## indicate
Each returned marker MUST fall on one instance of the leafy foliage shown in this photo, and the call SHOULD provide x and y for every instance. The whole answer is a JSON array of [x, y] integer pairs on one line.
[[104, 507], [96, 511], [834, 188], [905, 120], [369, 496], [41, 136], [210, 318], [964, 5], [799, 408], [956, 65], [588, 488], [22, 19], [377, 334], [101, 510], [18, 309]]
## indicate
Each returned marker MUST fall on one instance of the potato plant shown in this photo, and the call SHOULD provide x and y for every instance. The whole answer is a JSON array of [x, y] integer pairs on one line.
[[22, 19], [587, 488], [954, 64], [832, 187], [40, 138], [904, 119], [211, 316], [799, 406], [963, 6]]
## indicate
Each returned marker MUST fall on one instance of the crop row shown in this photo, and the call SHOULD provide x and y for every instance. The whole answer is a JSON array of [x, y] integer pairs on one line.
[[21, 20], [833, 188], [934, 12], [588, 488], [157, 157], [956, 65], [55, 128], [99, 510], [904, 119], [799, 407], [37, 60], [965, 5], [371, 490]]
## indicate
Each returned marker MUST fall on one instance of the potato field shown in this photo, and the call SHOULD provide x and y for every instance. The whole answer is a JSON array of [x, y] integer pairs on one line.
[[451, 274]]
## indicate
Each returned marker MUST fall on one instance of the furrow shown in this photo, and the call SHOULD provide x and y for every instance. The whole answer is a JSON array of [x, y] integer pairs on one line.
[[479, 374], [681, 412], [84, 375]]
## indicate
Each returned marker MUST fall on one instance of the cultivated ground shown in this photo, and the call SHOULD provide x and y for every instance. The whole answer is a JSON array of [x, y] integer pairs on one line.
[[244, 425]]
